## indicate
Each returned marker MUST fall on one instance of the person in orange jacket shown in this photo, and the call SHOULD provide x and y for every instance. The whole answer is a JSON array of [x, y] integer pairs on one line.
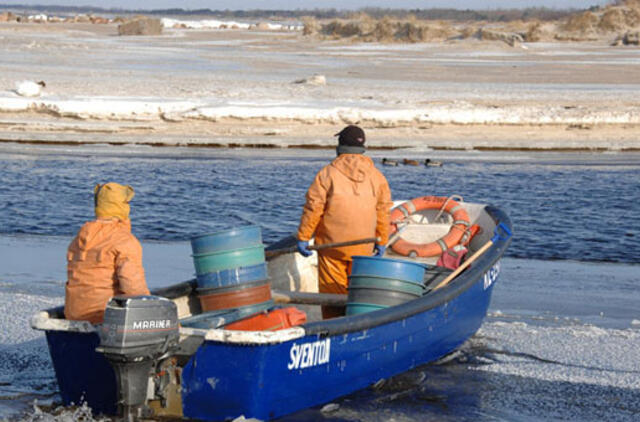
[[349, 199], [104, 259]]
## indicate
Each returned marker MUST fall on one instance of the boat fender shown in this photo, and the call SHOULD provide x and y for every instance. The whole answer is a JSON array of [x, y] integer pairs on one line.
[[459, 227]]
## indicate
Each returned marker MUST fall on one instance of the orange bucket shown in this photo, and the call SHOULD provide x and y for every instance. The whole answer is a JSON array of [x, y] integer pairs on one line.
[[278, 319], [234, 297]]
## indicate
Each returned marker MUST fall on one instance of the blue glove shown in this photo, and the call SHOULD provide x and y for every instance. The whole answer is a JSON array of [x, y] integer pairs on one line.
[[380, 250], [303, 248]]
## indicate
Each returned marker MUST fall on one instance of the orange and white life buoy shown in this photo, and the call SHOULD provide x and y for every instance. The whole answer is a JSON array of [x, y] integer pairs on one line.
[[459, 233]]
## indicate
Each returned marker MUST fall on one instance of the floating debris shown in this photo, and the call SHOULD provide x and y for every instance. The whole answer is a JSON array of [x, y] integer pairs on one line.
[[29, 88], [408, 162], [313, 80], [331, 407]]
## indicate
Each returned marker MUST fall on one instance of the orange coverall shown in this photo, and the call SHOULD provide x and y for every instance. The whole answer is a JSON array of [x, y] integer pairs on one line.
[[103, 260], [348, 200]]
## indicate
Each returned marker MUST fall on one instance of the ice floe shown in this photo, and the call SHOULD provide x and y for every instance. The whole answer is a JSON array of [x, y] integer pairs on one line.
[[457, 112], [575, 354]]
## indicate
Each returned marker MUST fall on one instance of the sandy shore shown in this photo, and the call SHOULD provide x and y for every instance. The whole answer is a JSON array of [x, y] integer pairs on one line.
[[291, 134], [246, 88]]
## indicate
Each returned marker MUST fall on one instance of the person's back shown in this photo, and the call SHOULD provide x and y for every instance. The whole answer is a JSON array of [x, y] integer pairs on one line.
[[349, 201], [104, 259]]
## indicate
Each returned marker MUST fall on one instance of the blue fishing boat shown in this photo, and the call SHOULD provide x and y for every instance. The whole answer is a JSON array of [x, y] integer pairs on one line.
[[219, 374]]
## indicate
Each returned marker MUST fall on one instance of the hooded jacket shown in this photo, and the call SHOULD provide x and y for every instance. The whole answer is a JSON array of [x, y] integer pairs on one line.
[[103, 260], [349, 199]]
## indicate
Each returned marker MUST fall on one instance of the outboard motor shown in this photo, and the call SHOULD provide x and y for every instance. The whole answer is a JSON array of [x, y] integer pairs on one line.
[[138, 332]]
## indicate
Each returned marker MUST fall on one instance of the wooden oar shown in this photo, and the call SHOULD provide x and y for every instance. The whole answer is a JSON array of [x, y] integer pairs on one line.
[[477, 254], [278, 252]]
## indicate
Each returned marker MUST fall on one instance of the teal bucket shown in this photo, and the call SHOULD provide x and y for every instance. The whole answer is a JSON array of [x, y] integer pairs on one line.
[[225, 260], [362, 308], [382, 297], [383, 283], [226, 240]]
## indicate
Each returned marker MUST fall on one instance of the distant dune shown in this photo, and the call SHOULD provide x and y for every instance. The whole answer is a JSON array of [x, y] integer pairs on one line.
[[617, 22], [612, 22]]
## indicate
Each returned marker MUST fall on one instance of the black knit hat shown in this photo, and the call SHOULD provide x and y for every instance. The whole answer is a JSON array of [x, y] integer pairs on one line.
[[352, 136]]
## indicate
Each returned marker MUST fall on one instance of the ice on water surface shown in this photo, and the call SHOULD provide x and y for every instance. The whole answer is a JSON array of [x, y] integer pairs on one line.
[[524, 355]]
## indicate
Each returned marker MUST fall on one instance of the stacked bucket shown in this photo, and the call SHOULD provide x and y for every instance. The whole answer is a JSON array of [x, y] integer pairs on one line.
[[231, 274], [377, 283]]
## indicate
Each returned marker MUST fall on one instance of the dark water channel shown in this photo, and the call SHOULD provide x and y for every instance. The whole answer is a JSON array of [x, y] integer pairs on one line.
[[574, 206]]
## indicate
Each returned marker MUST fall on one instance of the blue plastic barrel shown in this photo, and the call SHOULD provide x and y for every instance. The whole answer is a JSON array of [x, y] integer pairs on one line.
[[382, 297], [395, 269], [224, 240], [377, 283], [384, 283], [233, 276]]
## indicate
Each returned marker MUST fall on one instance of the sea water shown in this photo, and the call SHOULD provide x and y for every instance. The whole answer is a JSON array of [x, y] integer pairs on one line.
[[562, 336]]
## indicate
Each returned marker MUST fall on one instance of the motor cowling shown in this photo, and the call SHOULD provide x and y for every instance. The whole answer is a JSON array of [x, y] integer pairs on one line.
[[137, 332]]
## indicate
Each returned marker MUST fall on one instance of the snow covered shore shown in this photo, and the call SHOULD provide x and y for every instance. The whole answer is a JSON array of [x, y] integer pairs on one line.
[[212, 109], [227, 88]]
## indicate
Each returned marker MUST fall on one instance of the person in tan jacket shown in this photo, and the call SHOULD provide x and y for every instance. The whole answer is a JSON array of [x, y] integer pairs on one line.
[[104, 259], [349, 199]]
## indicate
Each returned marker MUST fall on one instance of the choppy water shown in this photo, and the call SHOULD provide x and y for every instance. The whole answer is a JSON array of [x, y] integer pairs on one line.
[[561, 339], [579, 206]]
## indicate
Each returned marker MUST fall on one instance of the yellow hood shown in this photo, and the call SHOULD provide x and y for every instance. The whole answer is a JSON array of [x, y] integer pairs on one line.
[[112, 200]]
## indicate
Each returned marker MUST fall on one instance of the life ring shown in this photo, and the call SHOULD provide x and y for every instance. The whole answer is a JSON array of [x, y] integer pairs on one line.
[[459, 233]]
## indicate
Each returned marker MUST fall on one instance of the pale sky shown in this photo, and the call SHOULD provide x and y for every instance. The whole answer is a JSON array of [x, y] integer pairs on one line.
[[318, 4]]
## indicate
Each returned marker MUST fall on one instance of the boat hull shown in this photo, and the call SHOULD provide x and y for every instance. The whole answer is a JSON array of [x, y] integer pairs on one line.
[[224, 381], [83, 374], [268, 375]]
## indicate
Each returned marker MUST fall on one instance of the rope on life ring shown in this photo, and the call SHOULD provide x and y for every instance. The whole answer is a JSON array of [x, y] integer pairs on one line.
[[460, 232]]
